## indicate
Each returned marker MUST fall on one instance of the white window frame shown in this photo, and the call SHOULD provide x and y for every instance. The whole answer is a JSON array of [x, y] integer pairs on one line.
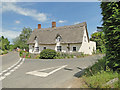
[[59, 48]]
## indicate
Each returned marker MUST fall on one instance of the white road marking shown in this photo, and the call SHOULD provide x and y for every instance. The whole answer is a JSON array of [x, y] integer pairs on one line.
[[56, 69], [69, 86], [10, 71], [3, 77], [44, 74], [7, 74], [4, 71], [36, 73]]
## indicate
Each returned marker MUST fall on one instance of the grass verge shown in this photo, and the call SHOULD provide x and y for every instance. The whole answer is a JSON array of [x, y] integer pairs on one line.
[[96, 76]]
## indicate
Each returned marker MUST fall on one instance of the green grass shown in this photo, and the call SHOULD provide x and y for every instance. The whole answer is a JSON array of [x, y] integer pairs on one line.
[[100, 79], [96, 76]]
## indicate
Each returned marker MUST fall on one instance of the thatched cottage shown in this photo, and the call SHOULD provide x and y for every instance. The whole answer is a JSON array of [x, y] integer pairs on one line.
[[73, 38]]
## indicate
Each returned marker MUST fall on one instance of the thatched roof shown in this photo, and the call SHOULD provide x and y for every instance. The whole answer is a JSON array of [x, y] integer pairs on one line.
[[69, 34]]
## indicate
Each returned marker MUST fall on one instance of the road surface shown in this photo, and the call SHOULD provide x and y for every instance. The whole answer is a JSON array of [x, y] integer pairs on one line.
[[36, 73], [9, 59]]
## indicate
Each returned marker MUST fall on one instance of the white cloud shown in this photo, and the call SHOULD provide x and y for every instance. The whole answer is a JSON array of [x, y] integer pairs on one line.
[[9, 33], [95, 31], [24, 11], [76, 22], [17, 22], [62, 21]]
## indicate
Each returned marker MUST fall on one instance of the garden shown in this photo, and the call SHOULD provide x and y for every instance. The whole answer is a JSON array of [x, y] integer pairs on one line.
[[51, 54], [3, 52]]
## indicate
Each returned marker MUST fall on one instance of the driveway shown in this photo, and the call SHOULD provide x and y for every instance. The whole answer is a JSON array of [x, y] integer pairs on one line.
[[36, 73]]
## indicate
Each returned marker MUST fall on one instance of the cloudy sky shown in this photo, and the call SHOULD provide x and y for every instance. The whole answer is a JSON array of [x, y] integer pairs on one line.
[[17, 15]]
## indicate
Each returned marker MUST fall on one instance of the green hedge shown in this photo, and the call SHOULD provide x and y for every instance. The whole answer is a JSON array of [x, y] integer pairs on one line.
[[47, 54]]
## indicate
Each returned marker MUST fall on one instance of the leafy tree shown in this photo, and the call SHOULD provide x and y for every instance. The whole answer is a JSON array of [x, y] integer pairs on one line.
[[98, 37], [4, 43], [21, 40], [111, 28]]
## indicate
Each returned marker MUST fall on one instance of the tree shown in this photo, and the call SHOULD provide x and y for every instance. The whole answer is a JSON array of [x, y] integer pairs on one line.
[[21, 40], [98, 37], [4, 43], [111, 28]]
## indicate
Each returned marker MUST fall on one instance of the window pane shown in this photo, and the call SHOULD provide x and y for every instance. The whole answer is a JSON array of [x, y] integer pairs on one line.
[[59, 48], [74, 48], [44, 47]]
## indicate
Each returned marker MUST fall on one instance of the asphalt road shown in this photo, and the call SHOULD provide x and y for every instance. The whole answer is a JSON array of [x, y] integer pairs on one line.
[[9, 59], [57, 72]]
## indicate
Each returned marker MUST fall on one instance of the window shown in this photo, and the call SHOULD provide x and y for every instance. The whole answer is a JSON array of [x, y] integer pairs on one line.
[[35, 38], [58, 38], [32, 48], [74, 48], [36, 49], [44, 47], [85, 38], [59, 48]]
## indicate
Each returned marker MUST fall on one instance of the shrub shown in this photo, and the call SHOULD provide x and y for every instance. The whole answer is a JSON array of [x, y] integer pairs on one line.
[[48, 54], [97, 67], [5, 52], [21, 53]]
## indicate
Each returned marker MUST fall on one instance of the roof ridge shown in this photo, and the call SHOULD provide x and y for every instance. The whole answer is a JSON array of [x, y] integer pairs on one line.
[[67, 26]]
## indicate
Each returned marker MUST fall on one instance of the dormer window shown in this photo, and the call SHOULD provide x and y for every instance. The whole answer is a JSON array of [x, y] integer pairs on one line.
[[58, 38], [35, 38]]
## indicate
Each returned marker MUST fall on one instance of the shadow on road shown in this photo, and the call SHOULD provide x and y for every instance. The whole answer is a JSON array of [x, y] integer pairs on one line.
[[69, 69], [80, 73]]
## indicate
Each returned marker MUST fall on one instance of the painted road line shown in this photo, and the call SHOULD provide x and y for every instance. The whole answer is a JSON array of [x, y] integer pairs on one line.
[[57, 69], [3, 77], [11, 66], [11, 69], [7, 74], [69, 86], [36, 73], [44, 74]]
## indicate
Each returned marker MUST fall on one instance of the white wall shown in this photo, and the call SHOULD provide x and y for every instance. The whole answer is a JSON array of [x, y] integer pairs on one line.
[[54, 47], [87, 47]]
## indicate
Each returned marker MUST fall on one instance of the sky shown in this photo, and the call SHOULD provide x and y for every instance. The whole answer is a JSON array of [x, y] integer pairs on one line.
[[17, 15]]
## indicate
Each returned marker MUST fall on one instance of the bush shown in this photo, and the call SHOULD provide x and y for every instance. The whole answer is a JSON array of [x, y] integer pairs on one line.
[[97, 67], [48, 54], [5, 52], [21, 53]]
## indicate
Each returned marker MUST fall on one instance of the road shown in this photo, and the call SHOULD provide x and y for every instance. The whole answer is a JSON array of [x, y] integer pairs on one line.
[[9, 59], [36, 73]]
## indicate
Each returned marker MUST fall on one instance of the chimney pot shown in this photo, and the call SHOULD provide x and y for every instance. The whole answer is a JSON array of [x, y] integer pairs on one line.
[[39, 26], [53, 24]]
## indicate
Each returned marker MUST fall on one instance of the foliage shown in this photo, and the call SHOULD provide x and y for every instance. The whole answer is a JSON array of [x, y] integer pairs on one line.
[[3, 52], [21, 53], [99, 80], [21, 40], [111, 28], [97, 67], [99, 38], [47, 54], [61, 55], [4, 43], [96, 76]]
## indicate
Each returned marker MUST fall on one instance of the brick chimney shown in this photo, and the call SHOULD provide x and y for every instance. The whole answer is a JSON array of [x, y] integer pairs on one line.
[[39, 26], [53, 24]]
